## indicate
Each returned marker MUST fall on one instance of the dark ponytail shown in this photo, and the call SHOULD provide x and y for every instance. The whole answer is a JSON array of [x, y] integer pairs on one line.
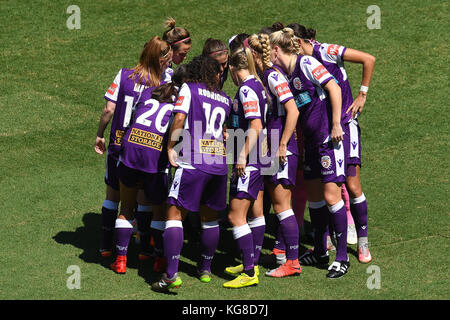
[[301, 31]]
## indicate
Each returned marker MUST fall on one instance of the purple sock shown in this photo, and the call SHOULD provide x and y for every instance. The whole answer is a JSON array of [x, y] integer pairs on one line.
[[157, 230], [340, 225], [318, 211], [258, 227], [289, 230], [209, 240], [173, 244], [358, 208], [124, 230], [143, 218], [244, 238], [279, 240], [108, 216]]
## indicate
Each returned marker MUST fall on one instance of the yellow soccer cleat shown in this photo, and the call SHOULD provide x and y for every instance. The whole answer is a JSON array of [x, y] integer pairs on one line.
[[243, 280], [237, 270]]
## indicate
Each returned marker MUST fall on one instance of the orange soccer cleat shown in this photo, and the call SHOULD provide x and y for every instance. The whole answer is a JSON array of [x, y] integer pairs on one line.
[[120, 265], [290, 268]]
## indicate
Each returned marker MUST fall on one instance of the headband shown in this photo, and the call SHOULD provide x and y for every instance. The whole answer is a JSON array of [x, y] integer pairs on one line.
[[218, 52], [182, 40]]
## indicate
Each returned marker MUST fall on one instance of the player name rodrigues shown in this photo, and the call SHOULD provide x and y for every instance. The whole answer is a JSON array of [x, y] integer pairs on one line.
[[230, 309], [212, 95]]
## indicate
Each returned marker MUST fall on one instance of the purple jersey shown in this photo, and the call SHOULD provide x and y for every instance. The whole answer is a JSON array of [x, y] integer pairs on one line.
[[306, 83], [250, 103], [331, 56], [203, 145], [143, 143], [275, 80], [124, 92]]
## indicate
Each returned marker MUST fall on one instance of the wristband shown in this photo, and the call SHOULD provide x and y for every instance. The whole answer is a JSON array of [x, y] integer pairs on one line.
[[364, 89]]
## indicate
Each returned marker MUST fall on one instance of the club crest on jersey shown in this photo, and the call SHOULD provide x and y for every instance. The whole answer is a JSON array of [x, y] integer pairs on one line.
[[297, 84], [325, 161], [235, 105]]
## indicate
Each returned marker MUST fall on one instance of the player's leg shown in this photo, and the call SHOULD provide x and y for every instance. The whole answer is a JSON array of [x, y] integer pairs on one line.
[[110, 207], [358, 207], [281, 199], [143, 218]]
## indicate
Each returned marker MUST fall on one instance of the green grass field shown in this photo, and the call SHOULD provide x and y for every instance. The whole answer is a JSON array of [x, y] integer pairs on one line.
[[52, 84]]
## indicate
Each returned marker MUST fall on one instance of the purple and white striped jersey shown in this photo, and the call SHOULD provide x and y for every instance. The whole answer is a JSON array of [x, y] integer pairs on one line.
[[331, 56], [276, 83], [306, 83], [124, 92], [250, 103], [143, 145], [206, 110]]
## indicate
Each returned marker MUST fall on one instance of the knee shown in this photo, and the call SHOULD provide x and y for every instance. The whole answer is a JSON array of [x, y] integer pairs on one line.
[[354, 187]]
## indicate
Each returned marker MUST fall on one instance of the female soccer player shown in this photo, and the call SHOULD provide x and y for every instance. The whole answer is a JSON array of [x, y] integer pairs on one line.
[[179, 39], [218, 50], [281, 136], [248, 120], [121, 97], [324, 150], [333, 56], [142, 164], [200, 180]]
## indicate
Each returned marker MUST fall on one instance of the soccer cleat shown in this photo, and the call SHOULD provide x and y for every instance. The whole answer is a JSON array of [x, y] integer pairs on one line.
[[338, 269], [276, 257], [352, 238], [165, 283], [204, 276], [364, 255], [309, 258], [105, 253], [241, 281], [160, 264], [120, 265], [237, 270], [290, 268]]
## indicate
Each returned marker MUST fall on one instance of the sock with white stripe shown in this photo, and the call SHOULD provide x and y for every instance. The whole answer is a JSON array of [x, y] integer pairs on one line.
[[173, 244], [124, 230], [339, 220], [289, 230], [358, 208], [243, 236], [156, 231], [258, 227], [108, 220], [318, 211], [209, 240]]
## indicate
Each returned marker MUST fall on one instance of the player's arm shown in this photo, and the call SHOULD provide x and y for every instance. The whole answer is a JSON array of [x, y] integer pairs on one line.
[[368, 62], [252, 138], [335, 95], [292, 114], [174, 135], [107, 114]]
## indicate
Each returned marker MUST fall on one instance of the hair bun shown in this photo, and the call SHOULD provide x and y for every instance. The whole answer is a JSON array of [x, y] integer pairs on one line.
[[170, 23]]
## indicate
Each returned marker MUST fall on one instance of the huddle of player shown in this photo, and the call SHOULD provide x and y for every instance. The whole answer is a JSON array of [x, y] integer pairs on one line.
[[293, 107]]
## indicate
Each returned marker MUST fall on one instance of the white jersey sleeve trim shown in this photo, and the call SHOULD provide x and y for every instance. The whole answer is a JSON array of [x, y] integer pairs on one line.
[[113, 90], [183, 103], [250, 102]]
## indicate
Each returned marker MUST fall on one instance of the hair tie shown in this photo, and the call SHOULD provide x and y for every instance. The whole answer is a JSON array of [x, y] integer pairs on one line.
[[245, 43]]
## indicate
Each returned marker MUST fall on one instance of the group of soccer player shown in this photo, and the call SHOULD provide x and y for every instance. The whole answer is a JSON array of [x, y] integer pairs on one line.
[[291, 128]]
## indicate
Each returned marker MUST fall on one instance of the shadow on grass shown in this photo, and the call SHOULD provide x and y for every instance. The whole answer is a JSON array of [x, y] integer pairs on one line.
[[87, 238]]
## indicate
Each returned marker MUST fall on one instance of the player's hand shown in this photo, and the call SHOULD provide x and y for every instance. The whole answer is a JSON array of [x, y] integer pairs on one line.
[[99, 146], [336, 133], [240, 167], [357, 105], [281, 153], [173, 156]]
